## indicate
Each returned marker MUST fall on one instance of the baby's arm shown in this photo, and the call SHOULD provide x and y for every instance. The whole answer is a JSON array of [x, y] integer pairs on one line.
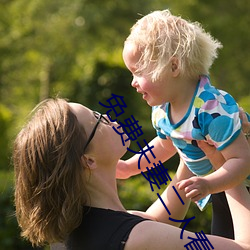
[[234, 171], [163, 150]]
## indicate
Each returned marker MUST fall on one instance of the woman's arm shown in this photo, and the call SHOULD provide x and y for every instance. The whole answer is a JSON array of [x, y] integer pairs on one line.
[[239, 203], [160, 236]]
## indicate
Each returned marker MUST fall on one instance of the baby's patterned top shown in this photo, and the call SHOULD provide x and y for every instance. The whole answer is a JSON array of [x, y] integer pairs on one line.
[[213, 115]]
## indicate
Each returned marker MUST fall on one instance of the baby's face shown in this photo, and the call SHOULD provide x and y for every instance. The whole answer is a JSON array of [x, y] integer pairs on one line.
[[154, 93]]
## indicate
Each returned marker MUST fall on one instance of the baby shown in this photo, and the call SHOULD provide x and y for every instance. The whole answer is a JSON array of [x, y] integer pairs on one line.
[[170, 59]]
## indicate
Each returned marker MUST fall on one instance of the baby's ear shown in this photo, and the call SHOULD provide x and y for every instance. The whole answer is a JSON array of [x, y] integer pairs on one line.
[[175, 66]]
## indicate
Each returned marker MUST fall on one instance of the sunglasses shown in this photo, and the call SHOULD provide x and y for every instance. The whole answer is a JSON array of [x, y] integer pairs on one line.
[[100, 118]]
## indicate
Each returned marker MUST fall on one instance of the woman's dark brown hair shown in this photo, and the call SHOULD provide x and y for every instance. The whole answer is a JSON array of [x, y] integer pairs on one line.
[[49, 180]]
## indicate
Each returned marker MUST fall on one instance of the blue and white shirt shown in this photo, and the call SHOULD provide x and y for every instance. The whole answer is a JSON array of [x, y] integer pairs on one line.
[[213, 115]]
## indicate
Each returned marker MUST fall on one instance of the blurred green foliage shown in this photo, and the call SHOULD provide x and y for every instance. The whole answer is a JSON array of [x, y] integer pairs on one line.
[[72, 48]]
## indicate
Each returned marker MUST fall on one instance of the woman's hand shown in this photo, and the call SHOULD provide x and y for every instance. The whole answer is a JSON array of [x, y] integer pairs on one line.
[[245, 124], [215, 157]]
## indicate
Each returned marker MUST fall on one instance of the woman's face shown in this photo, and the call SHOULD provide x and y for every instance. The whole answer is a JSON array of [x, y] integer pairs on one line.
[[106, 143]]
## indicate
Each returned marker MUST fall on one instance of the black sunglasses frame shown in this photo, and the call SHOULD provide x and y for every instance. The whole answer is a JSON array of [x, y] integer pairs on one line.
[[100, 118]]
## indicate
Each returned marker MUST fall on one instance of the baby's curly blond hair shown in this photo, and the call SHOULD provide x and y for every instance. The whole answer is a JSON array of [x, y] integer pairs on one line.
[[161, 36]]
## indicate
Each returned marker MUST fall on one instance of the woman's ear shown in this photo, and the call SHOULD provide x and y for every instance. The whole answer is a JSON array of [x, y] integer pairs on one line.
[[90, 161], [175, 66]]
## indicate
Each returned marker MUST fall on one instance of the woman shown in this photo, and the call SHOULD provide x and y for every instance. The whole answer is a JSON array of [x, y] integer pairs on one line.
[[65, 188]]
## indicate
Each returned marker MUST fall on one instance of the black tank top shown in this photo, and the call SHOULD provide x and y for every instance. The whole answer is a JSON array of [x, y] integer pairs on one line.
[[102, 229]]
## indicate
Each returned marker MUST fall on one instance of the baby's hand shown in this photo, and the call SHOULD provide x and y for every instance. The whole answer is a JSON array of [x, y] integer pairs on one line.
[[194, 187]]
